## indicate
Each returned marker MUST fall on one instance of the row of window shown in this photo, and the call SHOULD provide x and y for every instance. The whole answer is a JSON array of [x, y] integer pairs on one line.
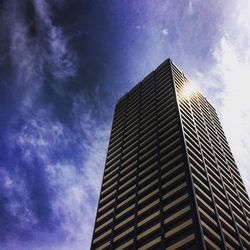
[[146, 135], [169, 146], [117, 134], [210, 158], [210, 226], [146, 102], [159, 81], [148, 223], [170, 178], [218, 138]]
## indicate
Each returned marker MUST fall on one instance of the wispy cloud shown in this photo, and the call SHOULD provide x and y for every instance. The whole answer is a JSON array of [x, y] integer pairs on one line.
[[17, 205], [71, 159], [51, 185], [59, 55], [50, 189], [38, 51]]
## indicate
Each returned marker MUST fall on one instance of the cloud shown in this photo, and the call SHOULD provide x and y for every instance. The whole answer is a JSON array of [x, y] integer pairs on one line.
[[45, 183], [17, 205], [225, 83], [190, 8], [68, 162], [52, 176], [165, 32], [233, 70], [60, 56], [39, 135], [95, 145], [39, 52]]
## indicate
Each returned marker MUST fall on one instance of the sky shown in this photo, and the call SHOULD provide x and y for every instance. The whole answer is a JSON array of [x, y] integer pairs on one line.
[[64, 65]]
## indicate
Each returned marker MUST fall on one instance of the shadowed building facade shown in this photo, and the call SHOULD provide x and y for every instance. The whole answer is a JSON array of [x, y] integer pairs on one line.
[[170, 180]]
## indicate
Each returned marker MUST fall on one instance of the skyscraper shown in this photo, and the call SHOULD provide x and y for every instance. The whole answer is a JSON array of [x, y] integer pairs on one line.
[[170, 180]]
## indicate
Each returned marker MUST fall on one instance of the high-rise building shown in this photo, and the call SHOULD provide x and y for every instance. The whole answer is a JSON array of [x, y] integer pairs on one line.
[[170, 180]]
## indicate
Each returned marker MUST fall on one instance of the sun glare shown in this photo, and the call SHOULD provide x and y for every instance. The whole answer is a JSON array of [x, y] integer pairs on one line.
[[190, 89]]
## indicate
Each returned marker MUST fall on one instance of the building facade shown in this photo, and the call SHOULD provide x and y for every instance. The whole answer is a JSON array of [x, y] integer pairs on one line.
[[170, 180]]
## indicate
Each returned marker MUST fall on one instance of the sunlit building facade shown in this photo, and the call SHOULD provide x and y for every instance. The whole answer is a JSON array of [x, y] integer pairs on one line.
[[170, 180]]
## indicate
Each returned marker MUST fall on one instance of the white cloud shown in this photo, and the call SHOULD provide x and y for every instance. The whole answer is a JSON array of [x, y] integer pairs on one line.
[[165, 32], [233, 70], [18, 203], [61, 58], [68, 205], [76, 190], [190, 8], [226, 83], [73, 185], [39, 135], [31, 56], [95, 147]]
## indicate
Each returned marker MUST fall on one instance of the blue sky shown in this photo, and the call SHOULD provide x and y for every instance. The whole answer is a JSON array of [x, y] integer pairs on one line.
[[64, 64]]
